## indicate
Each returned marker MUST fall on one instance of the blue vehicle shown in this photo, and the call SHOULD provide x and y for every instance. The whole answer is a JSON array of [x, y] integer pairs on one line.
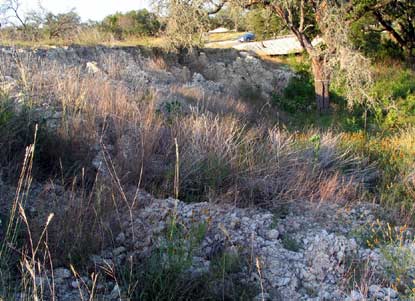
[[248, 37]]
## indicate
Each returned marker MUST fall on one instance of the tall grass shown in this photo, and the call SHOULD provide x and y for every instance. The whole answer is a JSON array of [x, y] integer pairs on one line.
[[103, 135], [223, 155], [26, 254]]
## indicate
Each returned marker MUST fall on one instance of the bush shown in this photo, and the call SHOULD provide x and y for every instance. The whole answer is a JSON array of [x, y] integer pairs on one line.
[[298, 96], [54, 154], [133, 23], [166, 275], [62, 25], [393, 154], [395, 91]]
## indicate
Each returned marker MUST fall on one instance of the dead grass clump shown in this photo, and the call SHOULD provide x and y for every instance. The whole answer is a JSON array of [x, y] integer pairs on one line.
[[157, 63], [223, 154]]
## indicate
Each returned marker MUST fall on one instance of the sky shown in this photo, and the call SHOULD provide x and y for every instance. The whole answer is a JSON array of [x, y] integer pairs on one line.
[[88, 9]]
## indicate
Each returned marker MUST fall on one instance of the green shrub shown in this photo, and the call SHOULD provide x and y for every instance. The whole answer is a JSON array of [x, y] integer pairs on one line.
[[298, 96], [393, 154], [395, 92], [290, 243], [138, 23], [373, 44], [211, 174], [6, 110], [264, 25], [165, 274]]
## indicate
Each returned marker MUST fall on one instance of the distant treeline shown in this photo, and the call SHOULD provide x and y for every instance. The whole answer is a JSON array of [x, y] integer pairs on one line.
[[378, 32], [67, 26]]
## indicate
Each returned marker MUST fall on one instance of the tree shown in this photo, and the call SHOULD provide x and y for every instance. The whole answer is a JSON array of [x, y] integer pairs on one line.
[[306, 19], [147, 23], [61, 25], [187, 21], [10, 11], [141, 23], [264, 23], [397, 17], [230, 17], [25, 26]]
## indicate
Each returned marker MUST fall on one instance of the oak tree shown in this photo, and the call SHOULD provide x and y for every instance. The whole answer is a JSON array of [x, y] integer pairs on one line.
[[307, 20], [397, 17]]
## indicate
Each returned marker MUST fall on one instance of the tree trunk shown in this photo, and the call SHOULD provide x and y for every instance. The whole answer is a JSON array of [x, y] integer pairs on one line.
[[321, 85], [321, 79]]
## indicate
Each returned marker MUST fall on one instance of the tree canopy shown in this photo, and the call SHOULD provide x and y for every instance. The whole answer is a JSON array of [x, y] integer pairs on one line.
[[397, 17], [264, 23], [136, 22], [306, 19], [60, 25]]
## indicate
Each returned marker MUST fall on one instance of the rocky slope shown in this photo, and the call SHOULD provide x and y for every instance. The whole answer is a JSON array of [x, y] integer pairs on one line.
[[299, 251], [302, 251], [222, 71]]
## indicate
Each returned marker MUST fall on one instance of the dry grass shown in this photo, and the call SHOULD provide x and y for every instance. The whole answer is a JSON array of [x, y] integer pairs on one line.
[[86, 37], [222, 154], [207, 149]]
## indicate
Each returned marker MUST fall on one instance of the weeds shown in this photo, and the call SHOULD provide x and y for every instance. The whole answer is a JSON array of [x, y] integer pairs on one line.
[[169, 273], [222, 154], [163, 275], [290, 243], [394, 156], [298, 96], [395, 245]]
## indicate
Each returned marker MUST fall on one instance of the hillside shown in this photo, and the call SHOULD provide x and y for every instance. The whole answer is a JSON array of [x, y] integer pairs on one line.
[[148, 175]]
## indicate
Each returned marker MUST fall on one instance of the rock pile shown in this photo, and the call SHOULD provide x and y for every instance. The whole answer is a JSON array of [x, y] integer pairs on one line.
[[300, 253]]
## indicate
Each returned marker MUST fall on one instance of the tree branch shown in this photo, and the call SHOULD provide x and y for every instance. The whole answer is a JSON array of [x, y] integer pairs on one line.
[[389, 28], [301, 28]]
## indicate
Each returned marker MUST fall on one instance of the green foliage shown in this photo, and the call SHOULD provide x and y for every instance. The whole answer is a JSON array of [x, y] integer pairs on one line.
[[392, 243], [400, 268], [61, 25], [383, 135], [210, 174], [229, 17], [264, 24], [8, 260], [393, 159], [16, 132], [173, 107], [392, 153], [373, 43], [6, 111], [395, 91], [166, 275], [226, 263], [17, 127], [133, 23], [379, 234], [316, 141], [395, 84], [395, 17], [290, 243], [298, 96]]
